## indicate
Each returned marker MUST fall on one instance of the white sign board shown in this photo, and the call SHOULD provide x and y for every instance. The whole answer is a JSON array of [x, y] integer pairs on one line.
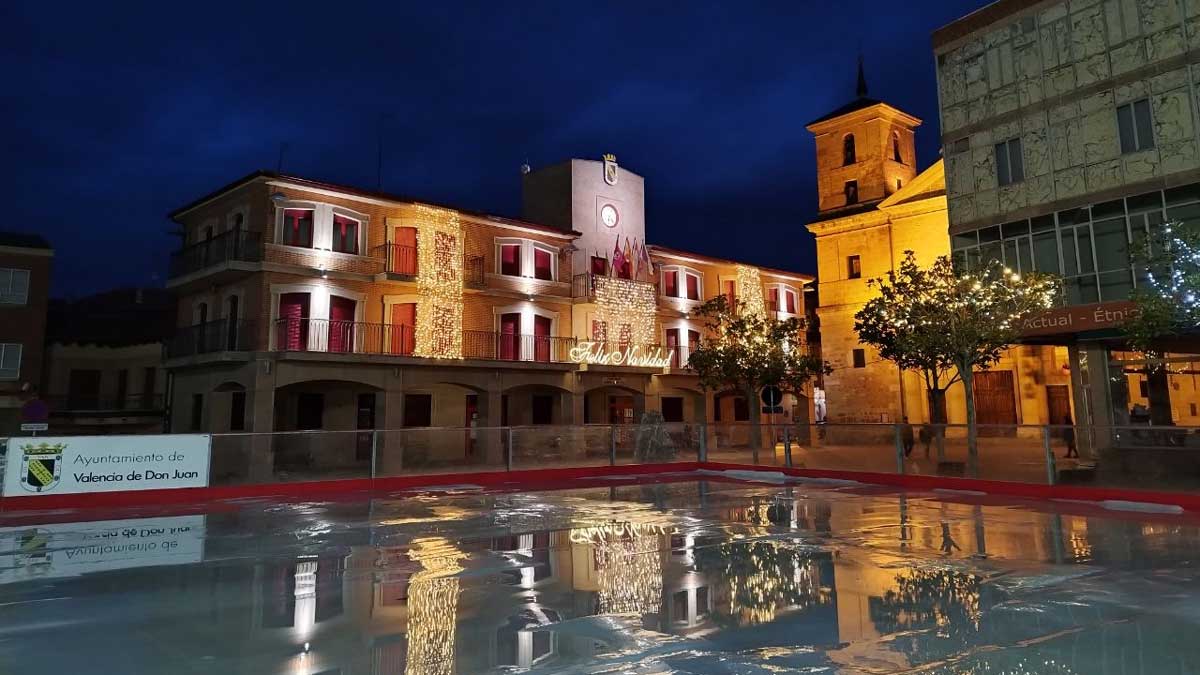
[[70, 549], [34, 426], [54, 465]]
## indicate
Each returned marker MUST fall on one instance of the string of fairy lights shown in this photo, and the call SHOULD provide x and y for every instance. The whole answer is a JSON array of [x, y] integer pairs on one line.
[[750, 291], [440, 282], [627, 302]]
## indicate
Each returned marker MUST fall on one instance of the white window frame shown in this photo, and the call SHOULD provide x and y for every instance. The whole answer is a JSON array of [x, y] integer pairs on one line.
[[5, 349], [783, 290], [1139, 144], [286, 205], [681, 286], [527, 310], [361, 235], [318, 309], [526, 257], [322, 234], [1008, 155], [8, 277]]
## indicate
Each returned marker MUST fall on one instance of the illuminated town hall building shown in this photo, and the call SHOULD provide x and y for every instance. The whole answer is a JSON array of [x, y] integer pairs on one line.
[[308, 305]]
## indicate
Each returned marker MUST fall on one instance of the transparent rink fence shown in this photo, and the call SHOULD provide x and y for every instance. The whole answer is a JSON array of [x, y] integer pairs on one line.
[[1139, 457]]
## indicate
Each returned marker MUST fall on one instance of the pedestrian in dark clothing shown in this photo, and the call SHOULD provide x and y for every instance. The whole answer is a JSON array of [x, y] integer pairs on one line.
[[926, 436], [906, 435], [1069, 438]]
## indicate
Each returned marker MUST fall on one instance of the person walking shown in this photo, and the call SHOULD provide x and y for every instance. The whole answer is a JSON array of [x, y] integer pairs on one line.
[[1069, 438], [926, 436], [906, 435]]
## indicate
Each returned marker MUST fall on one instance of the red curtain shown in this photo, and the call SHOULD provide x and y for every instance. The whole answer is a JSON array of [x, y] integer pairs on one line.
[[671, 283], [404, 328], [345, 235], [791, 302], [510, 335], [599, 265], [773, 300], [297, 227], [292, 331], [510, 260], [693, 287], [542, 265]]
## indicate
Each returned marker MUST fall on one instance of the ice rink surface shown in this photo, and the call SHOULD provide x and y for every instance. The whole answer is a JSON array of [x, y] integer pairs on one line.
[[691, 576]]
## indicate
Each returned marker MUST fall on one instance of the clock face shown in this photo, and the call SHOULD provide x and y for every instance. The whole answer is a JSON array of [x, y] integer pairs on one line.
[[609, 216]]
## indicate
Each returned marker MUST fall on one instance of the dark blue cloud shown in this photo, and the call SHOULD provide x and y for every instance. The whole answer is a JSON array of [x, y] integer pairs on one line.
[[118, 112]]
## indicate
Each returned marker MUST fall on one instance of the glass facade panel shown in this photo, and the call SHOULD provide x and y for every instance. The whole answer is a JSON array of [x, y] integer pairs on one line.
[[1083, 244], [1115, 285], [1045, 252], [1112, 245], [1070, 265]]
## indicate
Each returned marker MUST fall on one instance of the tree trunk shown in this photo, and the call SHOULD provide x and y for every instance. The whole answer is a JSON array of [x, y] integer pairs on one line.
[[755, 420], [937, 419], [1158, 386], [968, 381]]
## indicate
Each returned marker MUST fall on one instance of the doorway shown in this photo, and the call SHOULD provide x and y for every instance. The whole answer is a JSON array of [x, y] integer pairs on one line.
[[995, 402], [1058, 403], [620, 410]]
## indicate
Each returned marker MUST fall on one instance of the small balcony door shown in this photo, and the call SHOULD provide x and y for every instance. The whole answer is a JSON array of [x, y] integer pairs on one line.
[[291, 332], [673, 346], [404, 328], [510, 336], [403, 252], [729, 290], [341, 324], [231, 328], [541, 338]]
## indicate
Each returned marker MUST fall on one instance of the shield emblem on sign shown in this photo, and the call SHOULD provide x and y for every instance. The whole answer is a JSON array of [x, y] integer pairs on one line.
[[610, 169], [41, 466]]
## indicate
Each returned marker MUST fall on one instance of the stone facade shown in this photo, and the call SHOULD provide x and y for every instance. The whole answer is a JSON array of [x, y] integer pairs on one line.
[[1053, 74]]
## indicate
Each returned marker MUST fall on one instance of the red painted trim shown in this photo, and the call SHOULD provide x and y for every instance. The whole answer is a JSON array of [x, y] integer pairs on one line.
[[20, 508], [524, 479]]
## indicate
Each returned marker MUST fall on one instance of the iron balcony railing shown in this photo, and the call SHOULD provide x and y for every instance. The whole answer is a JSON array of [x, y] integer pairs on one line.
[[222, 335], [228, 246], [358, 337], [497, 346], [399, 259], [584, 285], [71, 403]]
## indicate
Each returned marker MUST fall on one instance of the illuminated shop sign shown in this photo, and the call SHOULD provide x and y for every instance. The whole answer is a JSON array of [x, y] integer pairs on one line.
[[604, 354]]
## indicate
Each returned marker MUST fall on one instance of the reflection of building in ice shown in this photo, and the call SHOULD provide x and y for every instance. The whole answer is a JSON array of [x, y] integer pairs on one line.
[[630, 574], [432, 607], [520, 643], [765, 578]]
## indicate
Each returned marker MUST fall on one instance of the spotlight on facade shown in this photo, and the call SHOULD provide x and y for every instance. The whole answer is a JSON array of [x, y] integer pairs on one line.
[[278, 197]]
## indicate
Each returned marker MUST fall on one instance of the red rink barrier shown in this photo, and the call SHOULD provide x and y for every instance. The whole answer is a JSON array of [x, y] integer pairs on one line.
[[557, 478]]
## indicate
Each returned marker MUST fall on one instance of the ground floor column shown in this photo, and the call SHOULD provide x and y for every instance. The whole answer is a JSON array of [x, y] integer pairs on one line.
[[262, 422], [1089, 384], [494, 440]]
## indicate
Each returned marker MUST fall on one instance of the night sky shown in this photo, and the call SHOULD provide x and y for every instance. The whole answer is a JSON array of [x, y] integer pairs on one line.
[[117, 114]]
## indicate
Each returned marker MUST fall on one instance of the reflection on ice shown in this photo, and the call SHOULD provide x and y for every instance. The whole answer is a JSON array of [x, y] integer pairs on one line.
[[664, 578]]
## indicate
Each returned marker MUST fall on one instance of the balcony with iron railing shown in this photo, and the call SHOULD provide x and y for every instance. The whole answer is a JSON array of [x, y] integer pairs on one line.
[[583, 286], [231, 246], [399, 259], [359, 337], [222, 335]]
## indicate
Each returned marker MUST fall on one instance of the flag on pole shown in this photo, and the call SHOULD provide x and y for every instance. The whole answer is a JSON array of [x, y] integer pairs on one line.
[[618, 259], [629, 258]]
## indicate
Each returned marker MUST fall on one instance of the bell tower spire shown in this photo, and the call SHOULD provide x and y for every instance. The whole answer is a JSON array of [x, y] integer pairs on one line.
[[861, 90]]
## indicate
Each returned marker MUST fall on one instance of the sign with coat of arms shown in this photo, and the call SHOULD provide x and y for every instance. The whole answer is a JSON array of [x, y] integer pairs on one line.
[[41, 466], [610, 169]]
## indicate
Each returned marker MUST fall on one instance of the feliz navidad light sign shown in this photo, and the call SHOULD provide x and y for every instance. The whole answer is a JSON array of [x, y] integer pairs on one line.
[[605, 354]]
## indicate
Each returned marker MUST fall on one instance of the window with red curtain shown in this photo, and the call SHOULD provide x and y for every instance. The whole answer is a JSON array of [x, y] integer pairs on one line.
[[291, 331], [298, 227], [510, 336], [791, 301], [541, 338], [510, 259], [673, 345], [693, 340], [345, 234], [543, 265], [773, 299], [341, 324], [671, 284], [693, 287], [599, 265]]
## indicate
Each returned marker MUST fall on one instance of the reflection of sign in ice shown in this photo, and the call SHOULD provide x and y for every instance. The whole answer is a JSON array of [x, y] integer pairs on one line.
[[70, 549], [77, 464], [600, 353]]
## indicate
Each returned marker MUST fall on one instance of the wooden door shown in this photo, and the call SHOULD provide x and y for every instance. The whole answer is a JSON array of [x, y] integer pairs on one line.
[[1058, 403], [620, 410], [341, 324], [292, 329], [403, 253], [510, 336], [404, 328], [542, 338], [995, 402]]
